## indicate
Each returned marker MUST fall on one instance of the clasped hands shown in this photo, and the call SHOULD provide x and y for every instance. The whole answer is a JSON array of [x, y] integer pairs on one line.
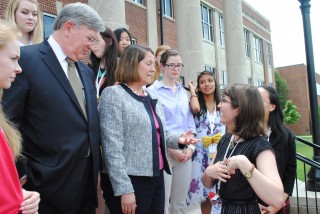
[[222, 170], [185, 154], [181, 155]]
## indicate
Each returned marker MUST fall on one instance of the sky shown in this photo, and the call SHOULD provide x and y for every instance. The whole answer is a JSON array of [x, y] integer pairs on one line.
[[287, 30]]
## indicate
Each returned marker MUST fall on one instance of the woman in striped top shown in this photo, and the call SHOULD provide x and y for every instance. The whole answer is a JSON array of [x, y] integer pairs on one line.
[[245, 167]]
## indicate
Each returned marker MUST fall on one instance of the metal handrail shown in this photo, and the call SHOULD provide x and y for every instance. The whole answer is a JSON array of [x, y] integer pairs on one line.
[[311, 163]]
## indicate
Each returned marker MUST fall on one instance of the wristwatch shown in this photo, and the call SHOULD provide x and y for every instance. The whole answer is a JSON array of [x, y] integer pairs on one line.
[[249, 174]]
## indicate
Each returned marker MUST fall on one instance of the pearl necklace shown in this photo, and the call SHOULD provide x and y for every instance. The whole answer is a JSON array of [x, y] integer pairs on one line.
[[143, 89]]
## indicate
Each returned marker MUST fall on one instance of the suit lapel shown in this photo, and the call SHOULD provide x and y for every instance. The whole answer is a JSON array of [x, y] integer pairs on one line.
[[50, 59]]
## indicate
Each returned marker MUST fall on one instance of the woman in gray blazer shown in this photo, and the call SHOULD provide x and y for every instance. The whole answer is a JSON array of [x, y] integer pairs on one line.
[[133, 137]]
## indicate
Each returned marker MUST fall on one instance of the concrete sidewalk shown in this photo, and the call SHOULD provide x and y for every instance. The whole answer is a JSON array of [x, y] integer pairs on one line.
[[194, 210]]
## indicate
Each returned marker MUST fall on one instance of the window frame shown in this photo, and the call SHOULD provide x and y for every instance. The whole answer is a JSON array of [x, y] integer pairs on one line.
[[133, 41], [138, 1], [246, 35], [257, 48], [164, 8], [224, 78], [221, 28], [268, 53], [208, 23], [260, 82], [211, 69], [44, 23]]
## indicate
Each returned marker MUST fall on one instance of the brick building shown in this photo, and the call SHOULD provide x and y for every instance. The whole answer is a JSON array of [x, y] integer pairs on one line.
[[206, 17], [298, 92]]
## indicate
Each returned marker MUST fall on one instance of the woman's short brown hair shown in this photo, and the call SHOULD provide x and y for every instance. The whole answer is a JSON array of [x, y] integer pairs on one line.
[[127, 70], [249, 121]]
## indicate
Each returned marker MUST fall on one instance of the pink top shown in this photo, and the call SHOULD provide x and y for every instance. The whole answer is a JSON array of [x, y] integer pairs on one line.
[[158, 138], [11, 191]]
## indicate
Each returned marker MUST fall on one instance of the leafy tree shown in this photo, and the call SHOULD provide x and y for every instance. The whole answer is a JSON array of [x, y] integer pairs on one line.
[[291, 116], [282, 90]]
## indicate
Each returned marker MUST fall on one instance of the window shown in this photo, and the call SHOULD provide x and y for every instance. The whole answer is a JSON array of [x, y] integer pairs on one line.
[[48, 21], [133, 41], [167, 8], [206, 20], [210, 68], [138, 1], [246, 43], [260, 82], [258, 49], [268, 54], [221, 24], [250, 80], [224, 78]]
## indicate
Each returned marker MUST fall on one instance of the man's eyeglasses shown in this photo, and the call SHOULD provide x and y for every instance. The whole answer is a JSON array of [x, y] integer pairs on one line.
[[173, 66], [93, 40]]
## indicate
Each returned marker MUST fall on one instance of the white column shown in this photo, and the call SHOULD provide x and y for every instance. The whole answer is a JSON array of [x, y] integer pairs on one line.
[[152, 24], [189, 37], [234, 41], [112, 12], [58, 6]]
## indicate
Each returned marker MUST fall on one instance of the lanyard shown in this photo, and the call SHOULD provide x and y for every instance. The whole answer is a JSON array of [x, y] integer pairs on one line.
[[225, 156], [211, 117], [99, 78], [269, 133]]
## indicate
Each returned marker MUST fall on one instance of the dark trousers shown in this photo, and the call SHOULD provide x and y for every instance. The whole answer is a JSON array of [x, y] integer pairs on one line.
[[86, 204], [149, 192]]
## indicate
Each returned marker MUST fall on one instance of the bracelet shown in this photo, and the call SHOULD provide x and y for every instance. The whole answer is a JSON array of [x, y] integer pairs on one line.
[[192, 147], [193, 96]]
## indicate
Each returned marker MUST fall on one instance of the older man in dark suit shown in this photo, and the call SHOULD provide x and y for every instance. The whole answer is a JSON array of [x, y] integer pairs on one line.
[[53, 102]]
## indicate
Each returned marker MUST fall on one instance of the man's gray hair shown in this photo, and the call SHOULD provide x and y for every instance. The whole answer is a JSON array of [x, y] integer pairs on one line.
[[79, 14]]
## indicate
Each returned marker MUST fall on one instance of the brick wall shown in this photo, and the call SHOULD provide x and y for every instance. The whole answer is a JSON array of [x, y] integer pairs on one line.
[[48, 6], [297, 84], [169, 28], [3, 5], [136, 19]]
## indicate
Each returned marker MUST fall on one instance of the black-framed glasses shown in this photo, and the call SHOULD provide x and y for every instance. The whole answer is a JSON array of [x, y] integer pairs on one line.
[[173, 66]]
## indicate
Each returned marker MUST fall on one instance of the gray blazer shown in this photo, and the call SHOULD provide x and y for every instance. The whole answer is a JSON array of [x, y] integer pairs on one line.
[[128, 136]]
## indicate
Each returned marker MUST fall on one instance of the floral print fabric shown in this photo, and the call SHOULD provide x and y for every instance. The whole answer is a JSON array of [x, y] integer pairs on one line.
[[200, 160]]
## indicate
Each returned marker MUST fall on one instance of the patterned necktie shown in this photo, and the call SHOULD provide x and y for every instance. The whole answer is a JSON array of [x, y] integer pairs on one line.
[[76, 85]]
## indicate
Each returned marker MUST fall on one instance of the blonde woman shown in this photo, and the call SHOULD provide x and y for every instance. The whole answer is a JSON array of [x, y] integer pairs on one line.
[[26, 15], [13, 199], [158, 54]]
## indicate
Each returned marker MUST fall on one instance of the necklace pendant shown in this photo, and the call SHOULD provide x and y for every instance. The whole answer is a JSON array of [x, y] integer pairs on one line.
[[231, 146]]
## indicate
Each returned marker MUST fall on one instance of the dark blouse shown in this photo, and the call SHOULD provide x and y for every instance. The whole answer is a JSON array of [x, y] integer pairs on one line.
[[237, 194], [286, 160]]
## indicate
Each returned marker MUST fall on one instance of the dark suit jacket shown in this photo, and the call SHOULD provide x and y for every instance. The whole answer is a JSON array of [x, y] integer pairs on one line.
[[56, 135]]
